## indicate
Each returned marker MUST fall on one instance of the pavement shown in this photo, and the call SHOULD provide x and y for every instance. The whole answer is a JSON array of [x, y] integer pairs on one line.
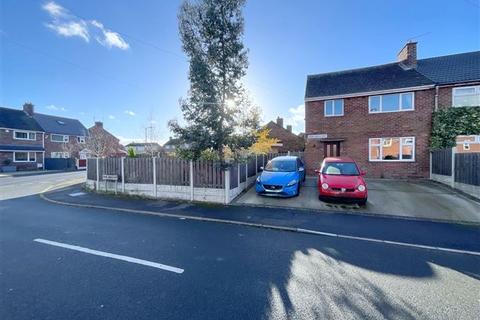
[[421, 199], [28, 173], [69, 262]]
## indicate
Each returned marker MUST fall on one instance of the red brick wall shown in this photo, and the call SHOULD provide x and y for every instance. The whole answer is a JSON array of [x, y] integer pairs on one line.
[[6, 138], [357, 126], [445, 95], [290, 141], [50, 146]]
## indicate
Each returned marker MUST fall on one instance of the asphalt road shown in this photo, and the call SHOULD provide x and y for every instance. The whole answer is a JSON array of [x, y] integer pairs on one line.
[[229, 272], [19, 186]]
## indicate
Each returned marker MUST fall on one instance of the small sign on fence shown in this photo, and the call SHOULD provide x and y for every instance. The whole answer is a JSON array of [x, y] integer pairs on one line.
[[110, 177]]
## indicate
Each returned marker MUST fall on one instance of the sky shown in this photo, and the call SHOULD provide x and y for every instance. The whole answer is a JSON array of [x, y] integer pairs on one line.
[[121, 62]]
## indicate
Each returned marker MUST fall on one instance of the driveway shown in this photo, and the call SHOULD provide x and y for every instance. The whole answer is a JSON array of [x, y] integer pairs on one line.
[[417, 199]]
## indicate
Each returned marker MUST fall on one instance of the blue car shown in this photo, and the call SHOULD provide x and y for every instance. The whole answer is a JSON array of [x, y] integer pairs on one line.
[[282, 177]]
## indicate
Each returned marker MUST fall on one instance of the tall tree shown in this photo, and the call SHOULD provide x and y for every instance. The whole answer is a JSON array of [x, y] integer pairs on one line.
[[212, 32]]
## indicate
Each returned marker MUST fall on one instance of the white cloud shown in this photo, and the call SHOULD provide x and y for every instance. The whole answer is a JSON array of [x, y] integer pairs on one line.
[[55, 108], [111, 117], [296, 118], [54, 9], [130, 112], [70, 29], [109, 38], [68, 25]]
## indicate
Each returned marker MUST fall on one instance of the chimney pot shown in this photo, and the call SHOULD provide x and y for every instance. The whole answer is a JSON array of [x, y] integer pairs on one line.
[[289, 128], [28, 108], [408, 55], [280, 121]]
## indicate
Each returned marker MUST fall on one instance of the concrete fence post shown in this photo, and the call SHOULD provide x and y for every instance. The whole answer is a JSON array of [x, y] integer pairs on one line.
[[430, 176], [288, 153], [238, 174], [246, 174], [98, 175], [452, 178], [123, 174], [227, 186], [191, 180], [154, 177]]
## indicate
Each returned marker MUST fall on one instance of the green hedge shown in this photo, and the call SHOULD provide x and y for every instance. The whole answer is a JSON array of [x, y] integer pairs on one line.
[[451, 122]]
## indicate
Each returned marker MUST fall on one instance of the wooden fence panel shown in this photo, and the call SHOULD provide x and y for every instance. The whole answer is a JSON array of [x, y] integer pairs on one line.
[[207, 174], [442, 162], [242, 172], [467, 168], [234, 176], [92, 169], [251, 166], [139, 170], [111, 166], [172, 171]]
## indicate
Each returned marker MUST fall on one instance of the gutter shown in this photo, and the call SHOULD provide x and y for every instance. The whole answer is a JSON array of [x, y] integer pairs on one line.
[[370, 93]]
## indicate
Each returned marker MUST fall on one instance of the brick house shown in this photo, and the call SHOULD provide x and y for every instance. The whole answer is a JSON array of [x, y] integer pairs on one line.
[[381, 116], [21, 139], [288, 141], [64, 137], [109, 144]]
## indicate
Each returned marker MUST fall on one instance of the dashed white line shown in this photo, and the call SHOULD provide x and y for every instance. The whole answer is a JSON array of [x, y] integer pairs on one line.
[[111, 255]]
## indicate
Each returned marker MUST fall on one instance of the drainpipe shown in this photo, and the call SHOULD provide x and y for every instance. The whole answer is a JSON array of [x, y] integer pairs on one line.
[[436, 98]]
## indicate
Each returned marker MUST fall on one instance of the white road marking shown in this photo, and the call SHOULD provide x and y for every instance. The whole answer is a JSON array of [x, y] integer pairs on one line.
[[405, 244], [76, 194], [111, 255]]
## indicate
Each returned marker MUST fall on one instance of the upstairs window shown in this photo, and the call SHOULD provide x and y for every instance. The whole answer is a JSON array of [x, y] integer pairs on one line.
[[466, 96], [81, 139], [333, 108], [391, 102], [24, 135], [58, 138]]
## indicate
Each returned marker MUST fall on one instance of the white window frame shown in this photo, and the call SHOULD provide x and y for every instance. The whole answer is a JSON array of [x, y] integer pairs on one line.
[[61, 154], [333, 109], [65, 138], [81, 139], [28, 135], [454, 94], [381, 149], [28, 156], [399, 106]]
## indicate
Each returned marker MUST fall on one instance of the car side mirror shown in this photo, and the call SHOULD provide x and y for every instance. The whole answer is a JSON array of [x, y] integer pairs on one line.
[[301, 169], [261, 169]]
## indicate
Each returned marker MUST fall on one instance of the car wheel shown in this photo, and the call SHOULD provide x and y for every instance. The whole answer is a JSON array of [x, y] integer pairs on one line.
[[362, 202]]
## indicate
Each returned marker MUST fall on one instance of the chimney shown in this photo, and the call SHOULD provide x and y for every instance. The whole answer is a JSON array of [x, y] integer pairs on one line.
[[289, 128], [99, 124], [280, 121], [28, 108], [408, 55]]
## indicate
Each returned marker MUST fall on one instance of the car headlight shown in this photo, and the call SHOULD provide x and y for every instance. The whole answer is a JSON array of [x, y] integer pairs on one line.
[[361, 187], [258, 179], [324, 186], [292, 183]]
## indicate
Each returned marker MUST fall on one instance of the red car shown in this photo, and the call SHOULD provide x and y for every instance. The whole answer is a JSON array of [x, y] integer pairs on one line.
[[340, 178]]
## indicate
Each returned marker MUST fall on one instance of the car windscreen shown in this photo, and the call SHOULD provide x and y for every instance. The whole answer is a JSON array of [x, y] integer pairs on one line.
[[281, 166], [340, 168]]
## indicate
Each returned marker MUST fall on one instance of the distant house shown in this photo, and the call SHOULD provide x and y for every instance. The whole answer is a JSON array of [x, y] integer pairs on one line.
[[287, 140], [145, 148], [467, 144], [21, 140], [104, 143], [171, 145], [64, 137]]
